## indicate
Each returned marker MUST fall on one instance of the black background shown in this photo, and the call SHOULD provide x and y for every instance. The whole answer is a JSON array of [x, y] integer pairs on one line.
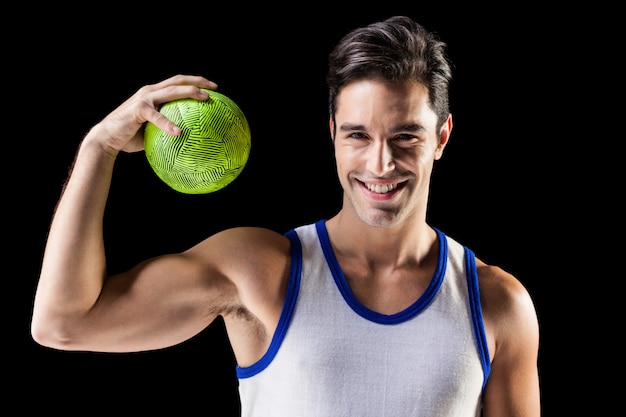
[[503, 188]]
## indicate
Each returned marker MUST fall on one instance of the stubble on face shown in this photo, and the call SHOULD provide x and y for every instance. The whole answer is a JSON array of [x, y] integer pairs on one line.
[[384, 151]]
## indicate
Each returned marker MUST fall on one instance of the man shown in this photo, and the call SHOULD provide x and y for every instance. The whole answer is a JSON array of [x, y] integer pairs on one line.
[[371, 312]]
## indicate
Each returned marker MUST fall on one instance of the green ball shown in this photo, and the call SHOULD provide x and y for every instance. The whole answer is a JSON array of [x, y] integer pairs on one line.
[[209, 153]]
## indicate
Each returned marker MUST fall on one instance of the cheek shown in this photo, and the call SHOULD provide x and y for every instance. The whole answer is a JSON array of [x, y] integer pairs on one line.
[[348, 157], [339, 161], [345, 163], [414, 160]]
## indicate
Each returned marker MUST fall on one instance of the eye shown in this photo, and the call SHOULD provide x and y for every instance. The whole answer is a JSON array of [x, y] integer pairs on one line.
[[405, 139], [357, 135]]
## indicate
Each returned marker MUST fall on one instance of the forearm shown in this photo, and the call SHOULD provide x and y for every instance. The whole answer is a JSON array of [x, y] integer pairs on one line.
[[74, 264]]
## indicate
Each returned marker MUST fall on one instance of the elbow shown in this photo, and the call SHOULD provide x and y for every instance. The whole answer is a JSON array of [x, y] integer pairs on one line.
[[46, 334], [41, 336]]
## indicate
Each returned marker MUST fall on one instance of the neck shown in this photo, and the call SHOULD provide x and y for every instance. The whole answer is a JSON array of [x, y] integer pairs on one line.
[[407, 242]]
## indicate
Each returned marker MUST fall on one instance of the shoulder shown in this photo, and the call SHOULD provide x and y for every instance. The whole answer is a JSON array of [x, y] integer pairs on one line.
[[501, 289], [243, 238], [250, 264], [512, 330], [508, 309], [242, 248], [256, 238]]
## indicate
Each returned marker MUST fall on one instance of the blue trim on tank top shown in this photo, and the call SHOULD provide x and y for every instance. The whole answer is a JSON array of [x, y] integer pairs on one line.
[[293, 287], [411, 311], [477, 313]]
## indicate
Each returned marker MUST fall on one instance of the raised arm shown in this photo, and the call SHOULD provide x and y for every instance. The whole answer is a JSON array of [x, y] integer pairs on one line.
[[74, 266]]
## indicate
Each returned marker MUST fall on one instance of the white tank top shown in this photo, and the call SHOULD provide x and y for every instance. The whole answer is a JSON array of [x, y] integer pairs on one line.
[[332, 356]]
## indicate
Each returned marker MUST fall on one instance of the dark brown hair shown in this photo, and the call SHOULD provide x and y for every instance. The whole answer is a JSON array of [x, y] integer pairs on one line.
[[395, 50]]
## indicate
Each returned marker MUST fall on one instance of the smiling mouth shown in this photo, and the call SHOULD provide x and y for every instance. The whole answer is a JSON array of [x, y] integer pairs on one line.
[[381, 188]]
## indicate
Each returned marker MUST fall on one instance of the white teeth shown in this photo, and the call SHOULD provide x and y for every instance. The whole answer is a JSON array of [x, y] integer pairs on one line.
[[381, 189]]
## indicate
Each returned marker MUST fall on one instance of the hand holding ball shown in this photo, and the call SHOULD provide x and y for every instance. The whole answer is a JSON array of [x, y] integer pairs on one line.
[[209, 153]]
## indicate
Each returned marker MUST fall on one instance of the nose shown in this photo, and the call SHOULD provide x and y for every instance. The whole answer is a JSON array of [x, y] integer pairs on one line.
[[380, 159]]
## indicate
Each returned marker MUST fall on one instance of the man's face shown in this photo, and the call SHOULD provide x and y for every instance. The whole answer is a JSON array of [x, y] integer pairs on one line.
[[385, 146]]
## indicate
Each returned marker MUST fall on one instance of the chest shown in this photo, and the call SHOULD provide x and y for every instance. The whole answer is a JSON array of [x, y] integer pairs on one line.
[[386, 290], [415, 361]]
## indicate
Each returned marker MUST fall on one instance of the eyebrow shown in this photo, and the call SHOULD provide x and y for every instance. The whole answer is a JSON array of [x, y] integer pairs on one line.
[[412, 127]]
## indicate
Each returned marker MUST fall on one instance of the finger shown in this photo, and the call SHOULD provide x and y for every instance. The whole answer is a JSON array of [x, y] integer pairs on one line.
[[159, 120], [177, 92], [177, 87], [184, 79]]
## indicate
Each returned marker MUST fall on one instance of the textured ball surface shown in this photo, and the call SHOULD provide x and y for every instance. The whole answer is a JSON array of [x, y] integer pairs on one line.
[[209, 153]]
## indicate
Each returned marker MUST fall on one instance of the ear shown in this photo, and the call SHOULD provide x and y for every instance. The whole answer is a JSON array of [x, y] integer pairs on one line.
[[444, 136], [331, 126]]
